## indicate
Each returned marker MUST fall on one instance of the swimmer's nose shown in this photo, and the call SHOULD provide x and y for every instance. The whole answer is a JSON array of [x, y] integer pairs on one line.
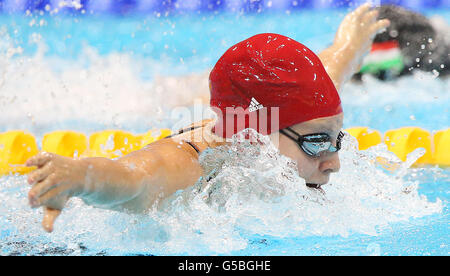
[[331, 164]]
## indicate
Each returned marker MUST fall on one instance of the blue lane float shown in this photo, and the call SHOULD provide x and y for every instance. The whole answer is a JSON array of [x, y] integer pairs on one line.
[[124, 7]]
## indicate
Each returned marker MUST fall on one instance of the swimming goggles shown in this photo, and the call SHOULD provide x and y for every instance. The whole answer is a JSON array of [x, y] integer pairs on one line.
[[314, 144]]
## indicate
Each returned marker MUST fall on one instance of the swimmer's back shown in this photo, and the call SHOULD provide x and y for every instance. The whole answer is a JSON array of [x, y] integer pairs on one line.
[[198, 136], [173, 162], [192, 139]]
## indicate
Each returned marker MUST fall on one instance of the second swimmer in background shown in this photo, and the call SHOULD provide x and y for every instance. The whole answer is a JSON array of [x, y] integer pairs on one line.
[[411, 43], [254, 78]]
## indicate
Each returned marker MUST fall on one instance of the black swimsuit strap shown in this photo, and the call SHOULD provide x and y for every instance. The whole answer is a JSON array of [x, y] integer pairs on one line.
[[187, 142], [183, 131], [193, 146]]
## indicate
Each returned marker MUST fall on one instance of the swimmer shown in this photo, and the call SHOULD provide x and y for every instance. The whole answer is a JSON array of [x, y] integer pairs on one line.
[[412, 42], [260, 75]]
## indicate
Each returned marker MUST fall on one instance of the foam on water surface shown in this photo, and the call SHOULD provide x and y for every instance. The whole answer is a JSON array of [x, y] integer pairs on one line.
[[255, 193], [109, 94], [106, 94], [256, 203]]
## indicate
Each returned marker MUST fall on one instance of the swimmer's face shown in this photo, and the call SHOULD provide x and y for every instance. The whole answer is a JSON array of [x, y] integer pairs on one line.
[[315, 170]]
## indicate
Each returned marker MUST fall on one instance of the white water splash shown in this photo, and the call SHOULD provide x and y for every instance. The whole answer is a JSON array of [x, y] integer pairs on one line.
[[255, 191], [43, 94], [421, 87]]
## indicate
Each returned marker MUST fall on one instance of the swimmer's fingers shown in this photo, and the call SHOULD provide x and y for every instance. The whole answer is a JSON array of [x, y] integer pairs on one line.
[[40, 189], [370, 17], [53, 207], [50, 215], [55, 197], [40, 174], [361, 11], [380, 26], [39, 159]]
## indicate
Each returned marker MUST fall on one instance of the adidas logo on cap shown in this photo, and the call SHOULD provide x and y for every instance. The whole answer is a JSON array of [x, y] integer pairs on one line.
[[254, 105]]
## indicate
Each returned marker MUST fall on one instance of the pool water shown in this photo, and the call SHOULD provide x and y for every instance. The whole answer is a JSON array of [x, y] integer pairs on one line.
[[90, 73]]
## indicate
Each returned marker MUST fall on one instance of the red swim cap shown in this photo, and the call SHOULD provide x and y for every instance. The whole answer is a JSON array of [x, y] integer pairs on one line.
[[270, 70]]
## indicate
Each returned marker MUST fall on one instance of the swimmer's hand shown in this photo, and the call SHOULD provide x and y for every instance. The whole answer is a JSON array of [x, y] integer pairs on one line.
[[352, 42], [132, 183], [359, 28], [55, 180]]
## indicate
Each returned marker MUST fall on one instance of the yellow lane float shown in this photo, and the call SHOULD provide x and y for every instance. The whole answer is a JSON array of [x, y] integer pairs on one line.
[[405, 140], [152, 136], [16, 147], [442, 148], [366, 137], [112, 144], [66, 143]]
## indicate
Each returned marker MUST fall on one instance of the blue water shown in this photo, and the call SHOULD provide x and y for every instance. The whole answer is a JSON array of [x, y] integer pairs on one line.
[[189, 44], [198, 40], [132, 7], [189, 37], [181, 46]]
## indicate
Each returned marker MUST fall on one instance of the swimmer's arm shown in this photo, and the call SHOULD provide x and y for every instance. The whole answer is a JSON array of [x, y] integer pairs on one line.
[[132, 183], [352, 42], [167, 167], [98, 181], [138, 180]]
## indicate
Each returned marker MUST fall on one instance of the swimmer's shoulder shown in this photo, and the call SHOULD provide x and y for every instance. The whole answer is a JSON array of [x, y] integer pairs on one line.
[[199, 136], [170, 148]]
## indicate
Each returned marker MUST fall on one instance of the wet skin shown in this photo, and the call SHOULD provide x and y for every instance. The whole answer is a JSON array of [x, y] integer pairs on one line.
[[136, 181], [315, 170]]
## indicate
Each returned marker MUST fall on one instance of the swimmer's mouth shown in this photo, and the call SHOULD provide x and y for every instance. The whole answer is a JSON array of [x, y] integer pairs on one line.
[[314, 186]]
